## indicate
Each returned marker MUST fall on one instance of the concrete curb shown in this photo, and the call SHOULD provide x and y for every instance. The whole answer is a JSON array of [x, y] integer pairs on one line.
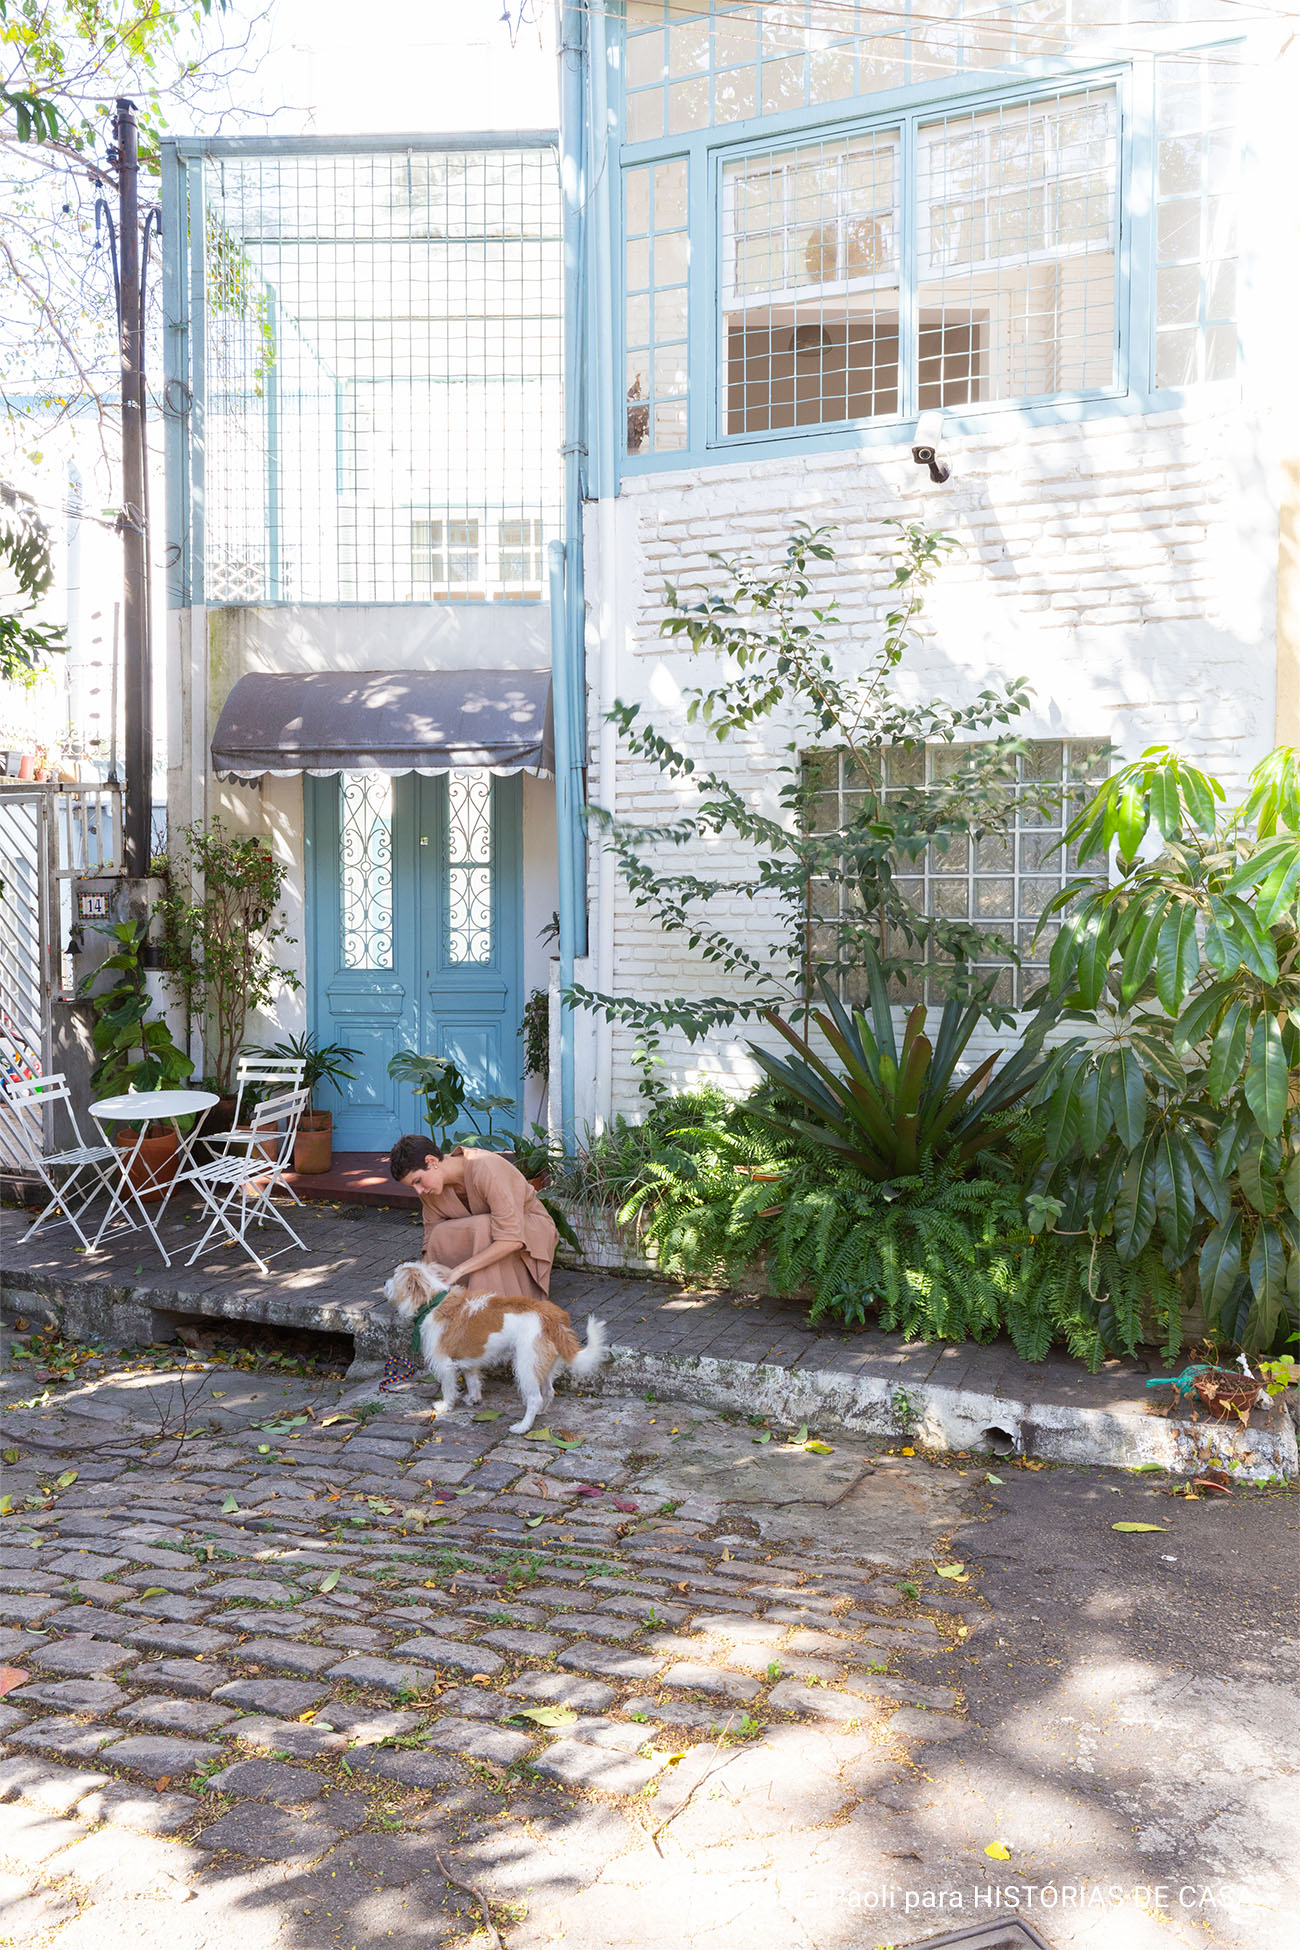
[[1128, 1436]]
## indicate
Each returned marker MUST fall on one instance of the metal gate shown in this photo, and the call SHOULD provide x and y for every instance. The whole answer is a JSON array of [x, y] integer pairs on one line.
[[50, 835]]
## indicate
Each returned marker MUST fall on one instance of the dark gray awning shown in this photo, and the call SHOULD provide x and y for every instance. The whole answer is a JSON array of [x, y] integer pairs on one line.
[[385, 721]]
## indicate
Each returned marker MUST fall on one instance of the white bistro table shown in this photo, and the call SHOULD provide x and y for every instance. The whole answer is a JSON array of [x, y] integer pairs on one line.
[[145, 1107]]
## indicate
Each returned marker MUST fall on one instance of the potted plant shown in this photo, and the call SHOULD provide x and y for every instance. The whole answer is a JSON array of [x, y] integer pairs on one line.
[[218, 939], [313, 1149], [136, 1051]]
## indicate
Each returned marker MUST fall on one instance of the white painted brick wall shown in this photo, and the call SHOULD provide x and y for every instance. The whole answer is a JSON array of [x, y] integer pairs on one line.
[[1125, 566]]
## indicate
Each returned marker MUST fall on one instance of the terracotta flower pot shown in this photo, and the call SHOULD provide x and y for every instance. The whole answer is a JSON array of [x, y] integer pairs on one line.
[[313, 1148], [153, 1169]]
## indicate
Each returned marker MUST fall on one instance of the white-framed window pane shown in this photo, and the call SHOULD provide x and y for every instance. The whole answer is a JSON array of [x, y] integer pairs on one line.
[[656, 270], [1197, 156], [366, 869]]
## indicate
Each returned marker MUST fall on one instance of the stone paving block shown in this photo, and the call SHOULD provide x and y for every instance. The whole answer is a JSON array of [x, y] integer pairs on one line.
[[596, 1625], [386, 1674], [533, 1645], [881, 1687], [575, 1764], [915, 1724], [193, 1677], [82, 1658], [10, 1717], [285, 1656], [62, 1735], [679, 1713], [267, 1735], [268, 1834], [142, 1809], [822, 1702], [104, 1595], [609, 1663], [27, 1912], [181, 1640], [56, 1789], [288, 1623], [445, 1652], [73, 1695], [177, 1715], [117, 1864], [695, 1678], [269, 1780], [178, 1581], [558, 1689], [479, 1742], [475, 1703], [84, 1564], [267, 1591], [16, 1610], [281, 1696], [17, 1645], [409, 1768], [177, 1610], [367, 1724], [90, 1620], [30, 1836], [161, 1757]]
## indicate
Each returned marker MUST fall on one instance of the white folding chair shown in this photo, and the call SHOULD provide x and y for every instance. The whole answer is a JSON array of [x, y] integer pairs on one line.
[[255, 1075], [236, 1190], [23, 1102]]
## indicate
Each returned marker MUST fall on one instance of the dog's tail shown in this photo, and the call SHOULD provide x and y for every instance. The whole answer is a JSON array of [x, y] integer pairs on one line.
[[588, 1358]]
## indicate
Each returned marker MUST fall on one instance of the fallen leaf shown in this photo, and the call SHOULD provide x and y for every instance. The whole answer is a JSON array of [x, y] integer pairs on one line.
[[907, 1452], [547, 1716], [531, 1523], [765, 1437], [621, 1503], [263, 1448], [480, 1679], [330, 1420], [537, 1435], [307, 1717], [484, 1415], [6, 1506], [11, 1676], [991, 1478], [998, 1851], [819, 1448], [67, 1479], [329, 1581], [155, 1591], [957, 1572], [1139, 1526], [231, 1503], [10, 1455], [164, 1781]]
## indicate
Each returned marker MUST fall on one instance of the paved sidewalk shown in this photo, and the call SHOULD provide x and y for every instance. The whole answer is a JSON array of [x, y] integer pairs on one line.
[[303, 1681], [716, 1347]]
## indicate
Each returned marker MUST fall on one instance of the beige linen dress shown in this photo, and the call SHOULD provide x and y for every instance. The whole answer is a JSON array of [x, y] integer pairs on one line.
[[497, 1204]]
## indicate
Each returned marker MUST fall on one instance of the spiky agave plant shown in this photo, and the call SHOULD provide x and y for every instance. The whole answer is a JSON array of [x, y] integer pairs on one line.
[[893, 1108]]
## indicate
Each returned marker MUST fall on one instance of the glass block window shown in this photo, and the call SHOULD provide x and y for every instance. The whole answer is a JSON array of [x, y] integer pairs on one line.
[[469, 866], [689, 65], [445, 556], [521, 555], [1015, 217], [656, 261], [1001, 884], [366, 868], [1017, 220], [1197, 165]]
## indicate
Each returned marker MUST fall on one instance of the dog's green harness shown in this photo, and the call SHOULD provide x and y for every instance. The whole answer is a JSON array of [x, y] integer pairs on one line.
[[430, 1306]]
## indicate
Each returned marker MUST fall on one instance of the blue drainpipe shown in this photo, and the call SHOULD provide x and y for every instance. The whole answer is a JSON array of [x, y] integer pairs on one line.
[[568, 609]]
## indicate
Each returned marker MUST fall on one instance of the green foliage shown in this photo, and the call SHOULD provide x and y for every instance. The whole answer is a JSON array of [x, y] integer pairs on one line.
[[934, 1255], [321, 1062], [1171, 1125], [437, 1083], [535, 1029], [25, 645], [218, 938], [134, 1047], [890, 1109], [773, 639]]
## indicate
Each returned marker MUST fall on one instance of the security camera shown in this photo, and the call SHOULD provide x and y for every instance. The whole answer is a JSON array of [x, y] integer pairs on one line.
[[926, 442]]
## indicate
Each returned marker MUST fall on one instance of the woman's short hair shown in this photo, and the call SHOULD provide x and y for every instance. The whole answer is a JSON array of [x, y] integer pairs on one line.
[[409, 1154]]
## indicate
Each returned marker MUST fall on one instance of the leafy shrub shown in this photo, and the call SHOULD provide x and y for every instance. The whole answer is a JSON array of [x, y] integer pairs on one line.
[[1171, 1125]]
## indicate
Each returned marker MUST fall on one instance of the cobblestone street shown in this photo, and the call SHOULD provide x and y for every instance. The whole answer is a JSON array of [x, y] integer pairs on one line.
[[293, 1676]]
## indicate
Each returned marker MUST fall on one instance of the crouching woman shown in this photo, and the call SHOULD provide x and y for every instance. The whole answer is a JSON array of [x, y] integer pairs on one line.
[[483, 1221]]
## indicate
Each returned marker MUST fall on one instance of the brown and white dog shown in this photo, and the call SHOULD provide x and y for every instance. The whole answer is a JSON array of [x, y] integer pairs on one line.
[[467, 1332]]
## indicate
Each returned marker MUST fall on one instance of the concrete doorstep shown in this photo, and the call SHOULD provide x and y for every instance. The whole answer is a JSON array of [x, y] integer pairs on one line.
[[717, 1349]]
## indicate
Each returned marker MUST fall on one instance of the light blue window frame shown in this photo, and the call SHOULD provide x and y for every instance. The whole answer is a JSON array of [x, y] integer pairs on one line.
[[706, 151]]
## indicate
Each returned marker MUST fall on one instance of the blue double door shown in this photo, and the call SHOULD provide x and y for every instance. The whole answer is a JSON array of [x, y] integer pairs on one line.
[[414, 910]]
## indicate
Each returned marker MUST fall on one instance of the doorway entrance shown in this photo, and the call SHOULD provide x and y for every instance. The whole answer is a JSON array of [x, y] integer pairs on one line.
[[414, 905]]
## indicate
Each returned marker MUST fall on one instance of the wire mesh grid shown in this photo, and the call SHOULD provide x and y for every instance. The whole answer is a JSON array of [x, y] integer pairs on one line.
[[999, 882], [383, 368]]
